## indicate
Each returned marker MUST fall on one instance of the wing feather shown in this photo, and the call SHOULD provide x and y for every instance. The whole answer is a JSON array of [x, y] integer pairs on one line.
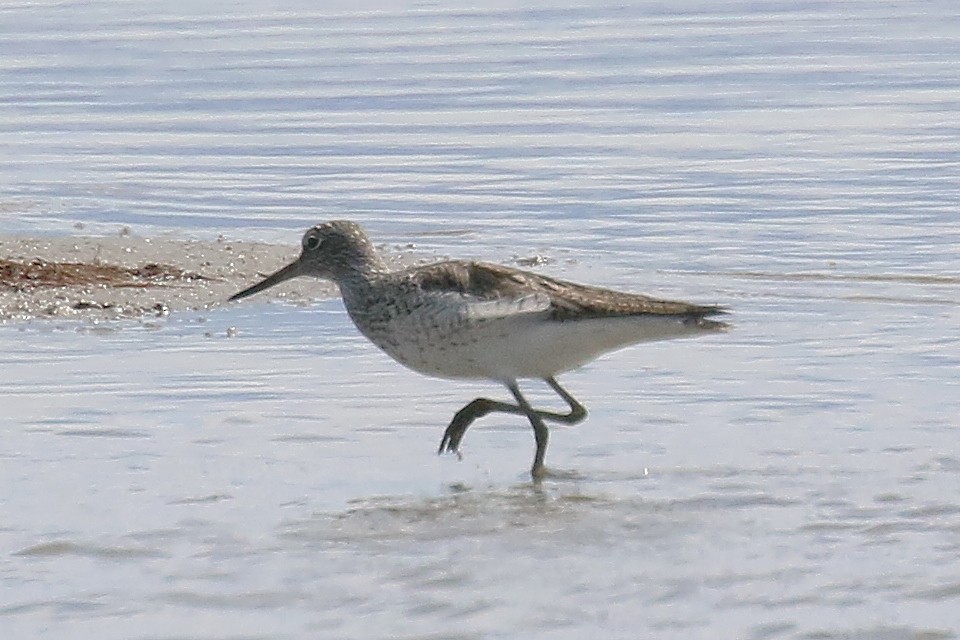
[[499, 291]]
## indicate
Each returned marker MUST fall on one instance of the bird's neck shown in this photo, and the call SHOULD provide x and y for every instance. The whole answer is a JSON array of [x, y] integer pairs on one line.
[[361, 275]]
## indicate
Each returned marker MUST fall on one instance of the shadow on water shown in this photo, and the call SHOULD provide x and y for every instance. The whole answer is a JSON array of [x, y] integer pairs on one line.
[[567, 512], [464, 512]]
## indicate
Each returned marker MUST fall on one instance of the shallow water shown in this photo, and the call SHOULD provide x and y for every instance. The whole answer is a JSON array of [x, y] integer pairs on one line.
[[261, 471]]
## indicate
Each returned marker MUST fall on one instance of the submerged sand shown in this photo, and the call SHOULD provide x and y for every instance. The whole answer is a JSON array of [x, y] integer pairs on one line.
[[131, 277]]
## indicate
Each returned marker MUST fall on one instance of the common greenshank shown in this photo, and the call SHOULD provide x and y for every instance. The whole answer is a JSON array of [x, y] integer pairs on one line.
[[465, 319]]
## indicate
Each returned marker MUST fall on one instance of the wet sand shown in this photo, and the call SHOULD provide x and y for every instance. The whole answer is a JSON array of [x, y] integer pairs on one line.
[[101, 278]]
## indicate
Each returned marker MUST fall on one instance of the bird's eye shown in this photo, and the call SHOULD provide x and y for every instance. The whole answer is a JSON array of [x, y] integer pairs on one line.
[[311, 242]]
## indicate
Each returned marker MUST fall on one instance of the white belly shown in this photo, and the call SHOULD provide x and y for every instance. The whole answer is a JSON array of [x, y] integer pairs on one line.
[[527, 346]]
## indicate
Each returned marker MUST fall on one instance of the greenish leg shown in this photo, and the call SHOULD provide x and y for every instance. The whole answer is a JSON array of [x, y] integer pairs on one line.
[[540, 431], [482, 406]]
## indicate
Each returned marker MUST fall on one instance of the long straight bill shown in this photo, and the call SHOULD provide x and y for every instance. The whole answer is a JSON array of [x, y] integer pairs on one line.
[[292, 270]]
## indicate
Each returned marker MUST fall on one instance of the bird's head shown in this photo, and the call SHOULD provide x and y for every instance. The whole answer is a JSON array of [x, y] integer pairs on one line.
[[336, 250]]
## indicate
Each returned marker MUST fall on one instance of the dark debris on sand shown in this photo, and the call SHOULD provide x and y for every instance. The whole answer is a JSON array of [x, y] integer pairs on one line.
[[27, 275]]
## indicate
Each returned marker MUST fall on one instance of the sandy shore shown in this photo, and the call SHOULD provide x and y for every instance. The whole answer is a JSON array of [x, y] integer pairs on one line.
[[128, 277]]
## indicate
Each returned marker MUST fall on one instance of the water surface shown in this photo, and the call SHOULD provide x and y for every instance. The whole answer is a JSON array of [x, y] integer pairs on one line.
[[259, 471]]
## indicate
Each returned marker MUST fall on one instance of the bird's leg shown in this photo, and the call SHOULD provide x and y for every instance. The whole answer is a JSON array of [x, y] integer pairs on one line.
[[540, 432], [465, 417], [483, 406], [577, 411]]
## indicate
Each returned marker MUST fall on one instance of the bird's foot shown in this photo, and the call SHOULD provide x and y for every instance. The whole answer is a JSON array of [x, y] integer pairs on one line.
[[544, 473], [449, 445]]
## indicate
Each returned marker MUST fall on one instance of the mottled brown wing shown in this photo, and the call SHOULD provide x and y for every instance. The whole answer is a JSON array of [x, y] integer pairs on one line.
[[568, 300]]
